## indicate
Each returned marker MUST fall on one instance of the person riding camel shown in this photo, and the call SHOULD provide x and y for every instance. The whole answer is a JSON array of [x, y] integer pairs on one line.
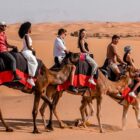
[[28, 51], [130, 62], [60, 52], [128, 57], [134, 92], [4, 53], [113, 57], [85, 54]]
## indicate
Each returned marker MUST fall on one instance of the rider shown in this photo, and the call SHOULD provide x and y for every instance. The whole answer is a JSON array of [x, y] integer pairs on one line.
[[127, 57], [82, 44], [60, 52], [113, 57], [134, 92], [130, 62], [28, 51], [4, 53]]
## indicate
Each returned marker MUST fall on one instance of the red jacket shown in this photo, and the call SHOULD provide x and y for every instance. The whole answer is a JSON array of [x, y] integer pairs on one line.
[[3, 42]]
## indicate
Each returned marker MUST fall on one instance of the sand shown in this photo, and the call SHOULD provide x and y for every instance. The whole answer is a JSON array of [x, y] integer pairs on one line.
[[17, 106]]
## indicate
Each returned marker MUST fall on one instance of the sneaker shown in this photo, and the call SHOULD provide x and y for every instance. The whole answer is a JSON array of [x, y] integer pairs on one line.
[[132, 94], [31, 81], [73, 89], [119, 95], [16, 78], [91, 80]]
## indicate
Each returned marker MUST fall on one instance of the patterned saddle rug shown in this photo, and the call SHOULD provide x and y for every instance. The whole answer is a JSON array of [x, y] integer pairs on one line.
[[82, 75], [6, 75]]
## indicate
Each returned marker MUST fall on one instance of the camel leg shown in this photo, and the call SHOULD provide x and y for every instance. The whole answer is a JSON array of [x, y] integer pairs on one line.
[[99, 101], [46, 100], [49, 95], [86, 112], [55, 102], [83, 110], [124, 116], [137, 113], [35, 110], [90, 104], [91, 109], [61, 123], [42, 111], [8, 129]]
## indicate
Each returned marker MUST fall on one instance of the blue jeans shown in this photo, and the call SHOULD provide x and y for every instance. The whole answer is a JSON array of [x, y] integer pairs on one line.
[[92, 63]]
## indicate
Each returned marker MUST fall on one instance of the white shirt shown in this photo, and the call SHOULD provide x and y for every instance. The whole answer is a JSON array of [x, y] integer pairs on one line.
[[25, 44], [59, 48]]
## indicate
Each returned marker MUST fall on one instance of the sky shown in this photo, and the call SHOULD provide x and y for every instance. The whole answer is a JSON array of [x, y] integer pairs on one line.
[[13, 11]]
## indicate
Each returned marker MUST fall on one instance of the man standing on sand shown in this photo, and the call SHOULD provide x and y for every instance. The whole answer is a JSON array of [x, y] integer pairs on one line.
[[113, 57]]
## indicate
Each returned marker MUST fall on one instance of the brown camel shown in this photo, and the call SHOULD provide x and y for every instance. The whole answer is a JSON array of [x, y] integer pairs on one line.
[[136, 104], [38, 90], [104, 86], [45, 78]]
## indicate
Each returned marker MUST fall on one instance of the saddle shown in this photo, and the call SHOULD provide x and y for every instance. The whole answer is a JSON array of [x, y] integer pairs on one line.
[[81, 77], [107, 71], [22, 69]]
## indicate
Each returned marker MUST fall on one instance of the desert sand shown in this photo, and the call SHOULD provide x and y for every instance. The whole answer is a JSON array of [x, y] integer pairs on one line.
[[17, 106]]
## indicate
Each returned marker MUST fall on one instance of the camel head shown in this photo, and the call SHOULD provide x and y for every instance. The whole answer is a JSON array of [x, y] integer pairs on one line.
[[131, 71], [126, 78]]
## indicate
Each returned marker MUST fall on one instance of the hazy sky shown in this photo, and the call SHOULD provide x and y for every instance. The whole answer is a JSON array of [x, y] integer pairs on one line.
[[13, 11]]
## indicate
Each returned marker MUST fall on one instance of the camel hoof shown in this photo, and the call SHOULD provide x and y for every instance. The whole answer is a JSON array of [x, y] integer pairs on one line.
[[78, 123], [63, 125], [49, 127], [88, 123], [84, 125], [102, 131], [36, 131], [9, 130]]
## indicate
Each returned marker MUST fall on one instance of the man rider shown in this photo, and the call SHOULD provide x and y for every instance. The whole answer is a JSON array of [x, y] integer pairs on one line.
[[113, 57], [60, 52]]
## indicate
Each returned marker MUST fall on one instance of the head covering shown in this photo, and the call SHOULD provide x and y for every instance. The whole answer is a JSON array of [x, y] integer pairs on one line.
[[127, 49], [2, 23]]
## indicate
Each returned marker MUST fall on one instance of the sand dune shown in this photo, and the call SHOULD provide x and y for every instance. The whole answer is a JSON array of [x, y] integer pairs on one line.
[[17, 106]]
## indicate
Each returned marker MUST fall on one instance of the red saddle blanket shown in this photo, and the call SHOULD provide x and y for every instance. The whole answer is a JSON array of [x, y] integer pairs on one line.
[[125, 94], [6, 75], [82, 75]]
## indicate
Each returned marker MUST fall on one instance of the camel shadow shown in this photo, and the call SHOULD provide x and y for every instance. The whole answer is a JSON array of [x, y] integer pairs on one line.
[[20, 124], [23, 124]]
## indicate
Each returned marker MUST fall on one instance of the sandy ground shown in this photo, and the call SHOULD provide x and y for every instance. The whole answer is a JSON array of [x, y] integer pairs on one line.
[[17, 106]]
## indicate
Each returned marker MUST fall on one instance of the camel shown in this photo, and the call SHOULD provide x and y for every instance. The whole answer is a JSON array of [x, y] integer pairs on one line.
[[113, 94], [44, 79], [38, 92], [121, 101], [104, 86]]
